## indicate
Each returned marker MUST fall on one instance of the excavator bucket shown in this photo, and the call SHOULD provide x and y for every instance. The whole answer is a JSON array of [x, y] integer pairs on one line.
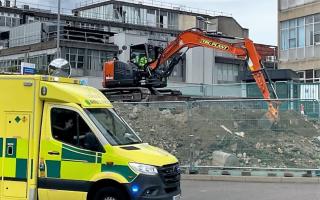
[[271, 118]]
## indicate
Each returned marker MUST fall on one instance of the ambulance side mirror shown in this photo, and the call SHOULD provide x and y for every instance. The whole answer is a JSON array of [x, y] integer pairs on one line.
[[59, 67]]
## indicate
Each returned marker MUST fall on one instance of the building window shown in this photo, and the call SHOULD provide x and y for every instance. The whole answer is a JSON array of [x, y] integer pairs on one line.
[[151, 18], [293, 33], [2, 21], [284, 34], [75, 57], [309, 76], [317, 34], [227, 73], [301, 32], [309, 35]]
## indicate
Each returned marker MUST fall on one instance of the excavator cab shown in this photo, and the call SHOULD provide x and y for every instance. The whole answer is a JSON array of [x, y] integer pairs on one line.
[[142, 54], [133, 74]]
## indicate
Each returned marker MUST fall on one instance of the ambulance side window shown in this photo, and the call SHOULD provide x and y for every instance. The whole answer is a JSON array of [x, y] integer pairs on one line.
[[68, 127]]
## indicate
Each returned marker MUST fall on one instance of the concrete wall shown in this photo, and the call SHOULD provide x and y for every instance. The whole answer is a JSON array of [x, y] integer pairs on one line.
[[186, 22], [229, 26], [300, 65], [300, 11], [214, 26], [125, 39], [200, 65]]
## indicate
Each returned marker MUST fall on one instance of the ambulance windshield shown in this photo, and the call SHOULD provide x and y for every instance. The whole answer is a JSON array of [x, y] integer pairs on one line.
[[113, 127]]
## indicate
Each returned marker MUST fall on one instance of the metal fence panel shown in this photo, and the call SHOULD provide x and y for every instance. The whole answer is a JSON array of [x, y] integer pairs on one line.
[[162, 124], [237, 134], [230, 133]]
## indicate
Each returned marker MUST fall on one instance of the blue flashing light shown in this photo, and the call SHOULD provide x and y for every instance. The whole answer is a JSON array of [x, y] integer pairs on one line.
[[135, 188]]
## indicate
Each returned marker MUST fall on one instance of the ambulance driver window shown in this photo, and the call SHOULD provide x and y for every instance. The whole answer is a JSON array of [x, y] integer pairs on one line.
[[68, 127]]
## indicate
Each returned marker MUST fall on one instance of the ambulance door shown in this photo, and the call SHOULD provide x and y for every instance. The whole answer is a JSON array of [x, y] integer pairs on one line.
[[67, 162], [15, 155]]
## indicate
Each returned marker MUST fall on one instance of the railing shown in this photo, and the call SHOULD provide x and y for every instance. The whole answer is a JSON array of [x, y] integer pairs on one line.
[[233, 135], [161, 4], [69, 35]]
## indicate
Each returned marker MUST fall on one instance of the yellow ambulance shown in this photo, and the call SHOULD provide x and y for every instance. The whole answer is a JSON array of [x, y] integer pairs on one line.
[[61, 140]]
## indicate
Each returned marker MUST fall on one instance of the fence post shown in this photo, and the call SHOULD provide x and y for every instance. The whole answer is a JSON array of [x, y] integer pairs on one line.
[[318, 110], [191, 136]]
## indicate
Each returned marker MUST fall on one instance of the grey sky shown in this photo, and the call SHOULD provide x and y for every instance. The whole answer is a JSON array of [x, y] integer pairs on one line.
[[260, 16]]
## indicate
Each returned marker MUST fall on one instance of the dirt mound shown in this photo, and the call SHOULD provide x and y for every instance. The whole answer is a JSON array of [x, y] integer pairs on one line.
[[193, 133]]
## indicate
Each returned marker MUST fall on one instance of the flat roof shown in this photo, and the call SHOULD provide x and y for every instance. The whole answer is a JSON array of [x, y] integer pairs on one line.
[[152, 4], [77, 19]]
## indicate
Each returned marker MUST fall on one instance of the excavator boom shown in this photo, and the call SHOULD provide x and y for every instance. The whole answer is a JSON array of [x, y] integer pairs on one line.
[[123, 74], [197, 38]]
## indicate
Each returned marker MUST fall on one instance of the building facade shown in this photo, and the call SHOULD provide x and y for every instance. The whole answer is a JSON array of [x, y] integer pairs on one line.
[[88, 37], [299, 37]]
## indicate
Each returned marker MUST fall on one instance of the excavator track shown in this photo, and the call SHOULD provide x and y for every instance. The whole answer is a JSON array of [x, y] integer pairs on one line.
[[141, 94]]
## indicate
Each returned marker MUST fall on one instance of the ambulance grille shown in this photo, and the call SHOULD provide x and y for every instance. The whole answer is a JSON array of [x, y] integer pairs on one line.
[[170, 174]]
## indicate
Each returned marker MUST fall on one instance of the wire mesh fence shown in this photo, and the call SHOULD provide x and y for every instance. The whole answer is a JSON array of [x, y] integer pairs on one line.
[[230, 134]]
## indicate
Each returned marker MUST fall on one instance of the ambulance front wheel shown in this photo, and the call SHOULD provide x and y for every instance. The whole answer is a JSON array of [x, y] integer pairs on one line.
[[110, 193]]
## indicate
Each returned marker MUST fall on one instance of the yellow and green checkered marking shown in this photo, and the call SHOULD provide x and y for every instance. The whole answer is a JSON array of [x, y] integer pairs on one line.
[[62, 166], [15, 158], [72, 160]]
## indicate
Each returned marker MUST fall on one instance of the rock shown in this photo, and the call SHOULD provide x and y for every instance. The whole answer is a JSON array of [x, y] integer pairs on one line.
[[316, 139], [133, 116], [288, 174], [135, 109], [166, 113], [220, 158], [258, 145], [244, 155], [152, 130], [168, 126], [234, 147]]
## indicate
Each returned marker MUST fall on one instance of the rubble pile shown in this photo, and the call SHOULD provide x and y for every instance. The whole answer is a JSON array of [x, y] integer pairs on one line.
[[195, 134]]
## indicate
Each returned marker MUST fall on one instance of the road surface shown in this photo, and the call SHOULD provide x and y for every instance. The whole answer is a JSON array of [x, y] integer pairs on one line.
[[220, 190]]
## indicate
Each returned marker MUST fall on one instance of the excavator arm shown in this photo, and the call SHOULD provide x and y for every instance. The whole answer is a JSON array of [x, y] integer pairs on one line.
[[197, 38]]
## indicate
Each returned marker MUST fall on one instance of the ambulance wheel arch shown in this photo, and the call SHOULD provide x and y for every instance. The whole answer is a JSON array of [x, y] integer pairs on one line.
[[108, 189]]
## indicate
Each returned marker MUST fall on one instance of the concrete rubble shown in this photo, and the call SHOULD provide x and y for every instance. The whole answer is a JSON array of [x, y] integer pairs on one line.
[[196, 134]]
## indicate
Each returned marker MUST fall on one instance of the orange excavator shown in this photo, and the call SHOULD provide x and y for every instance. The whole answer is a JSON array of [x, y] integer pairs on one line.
[[120, 75]]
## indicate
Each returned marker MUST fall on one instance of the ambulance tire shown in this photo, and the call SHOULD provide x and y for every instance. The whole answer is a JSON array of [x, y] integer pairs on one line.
[[110, 193]]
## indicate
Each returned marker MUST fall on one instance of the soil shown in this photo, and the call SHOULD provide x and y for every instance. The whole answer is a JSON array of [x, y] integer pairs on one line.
[[192, 132]]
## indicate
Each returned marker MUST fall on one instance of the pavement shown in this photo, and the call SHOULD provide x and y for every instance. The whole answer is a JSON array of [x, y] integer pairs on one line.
[[226, 190]]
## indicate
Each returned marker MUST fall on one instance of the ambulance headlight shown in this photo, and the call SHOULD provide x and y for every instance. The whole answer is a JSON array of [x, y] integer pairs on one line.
[[143, 169]]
